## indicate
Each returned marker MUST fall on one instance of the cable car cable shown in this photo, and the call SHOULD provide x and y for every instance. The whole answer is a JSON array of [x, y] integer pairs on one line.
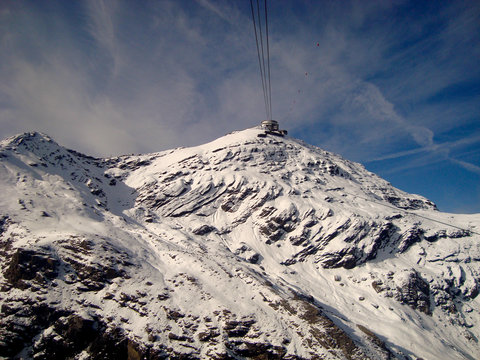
[[264, 67], [268, 61]]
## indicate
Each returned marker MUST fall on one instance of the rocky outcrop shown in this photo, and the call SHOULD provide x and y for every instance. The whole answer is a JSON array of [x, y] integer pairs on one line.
[[414, 291], [193, 254], [27, 266]]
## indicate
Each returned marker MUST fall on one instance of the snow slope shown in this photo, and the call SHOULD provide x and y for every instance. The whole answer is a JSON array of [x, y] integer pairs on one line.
[[245, 247]]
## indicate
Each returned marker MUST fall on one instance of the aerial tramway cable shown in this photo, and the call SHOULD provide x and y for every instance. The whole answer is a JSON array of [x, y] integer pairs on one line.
[[268, 62], [267, 92], [263, 48]]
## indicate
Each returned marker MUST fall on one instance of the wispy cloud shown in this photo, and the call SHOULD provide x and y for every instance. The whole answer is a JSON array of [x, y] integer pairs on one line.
[[426, 156], [469, 166], [370, 80], [217, 9], [447, 146], [101, 26]]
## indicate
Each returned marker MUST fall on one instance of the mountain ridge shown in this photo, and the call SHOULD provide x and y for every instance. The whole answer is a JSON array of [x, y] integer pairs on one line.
[[226, 250]]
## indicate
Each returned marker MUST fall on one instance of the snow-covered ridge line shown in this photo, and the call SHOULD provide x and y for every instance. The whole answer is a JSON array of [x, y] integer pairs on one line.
[[240, 248]]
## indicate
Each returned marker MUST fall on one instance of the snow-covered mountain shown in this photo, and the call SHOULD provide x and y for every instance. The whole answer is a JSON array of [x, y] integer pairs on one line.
[[245, 247]]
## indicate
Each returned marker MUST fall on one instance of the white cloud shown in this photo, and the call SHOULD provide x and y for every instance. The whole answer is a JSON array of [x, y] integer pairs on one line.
[[222, 12], [177, 73], [468, 166], [108, 77], [101, 25]]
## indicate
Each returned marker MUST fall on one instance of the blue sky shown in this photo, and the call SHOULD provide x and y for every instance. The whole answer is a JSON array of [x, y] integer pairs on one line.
[[394, 85]]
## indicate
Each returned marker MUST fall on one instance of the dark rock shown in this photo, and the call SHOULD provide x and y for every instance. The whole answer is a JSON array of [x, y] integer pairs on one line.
[[343, 258], [254, 258], [327, 333], [288, 262], [267, 210], [5, 222], [473, 291], [409, 238], [237, 328], [208, 334], [300, 239], [94, 277], [394, 217], [378, 286], [459, 233], [272, 233], [253, 350], [203, 230], [176, 337], [173, 314], [97, 192], [415, 292], [163, 296], [76, 333], [409, 204], [278, 225], [236, 198], [310, 223], [381, 239], [30, 265], [16, 336]]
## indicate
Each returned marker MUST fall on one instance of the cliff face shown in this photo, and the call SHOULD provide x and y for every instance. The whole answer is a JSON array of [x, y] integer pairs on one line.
[[246, 247]]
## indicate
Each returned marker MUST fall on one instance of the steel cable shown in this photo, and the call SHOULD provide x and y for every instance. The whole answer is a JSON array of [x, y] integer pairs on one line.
[[261, 50]]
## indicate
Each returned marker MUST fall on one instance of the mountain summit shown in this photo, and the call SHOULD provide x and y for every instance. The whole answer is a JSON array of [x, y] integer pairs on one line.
[[250, 246]]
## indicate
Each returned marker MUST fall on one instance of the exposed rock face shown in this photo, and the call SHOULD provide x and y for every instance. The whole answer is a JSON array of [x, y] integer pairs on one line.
[[27, 265], [414, 291], [247, 247], [410, 237]]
